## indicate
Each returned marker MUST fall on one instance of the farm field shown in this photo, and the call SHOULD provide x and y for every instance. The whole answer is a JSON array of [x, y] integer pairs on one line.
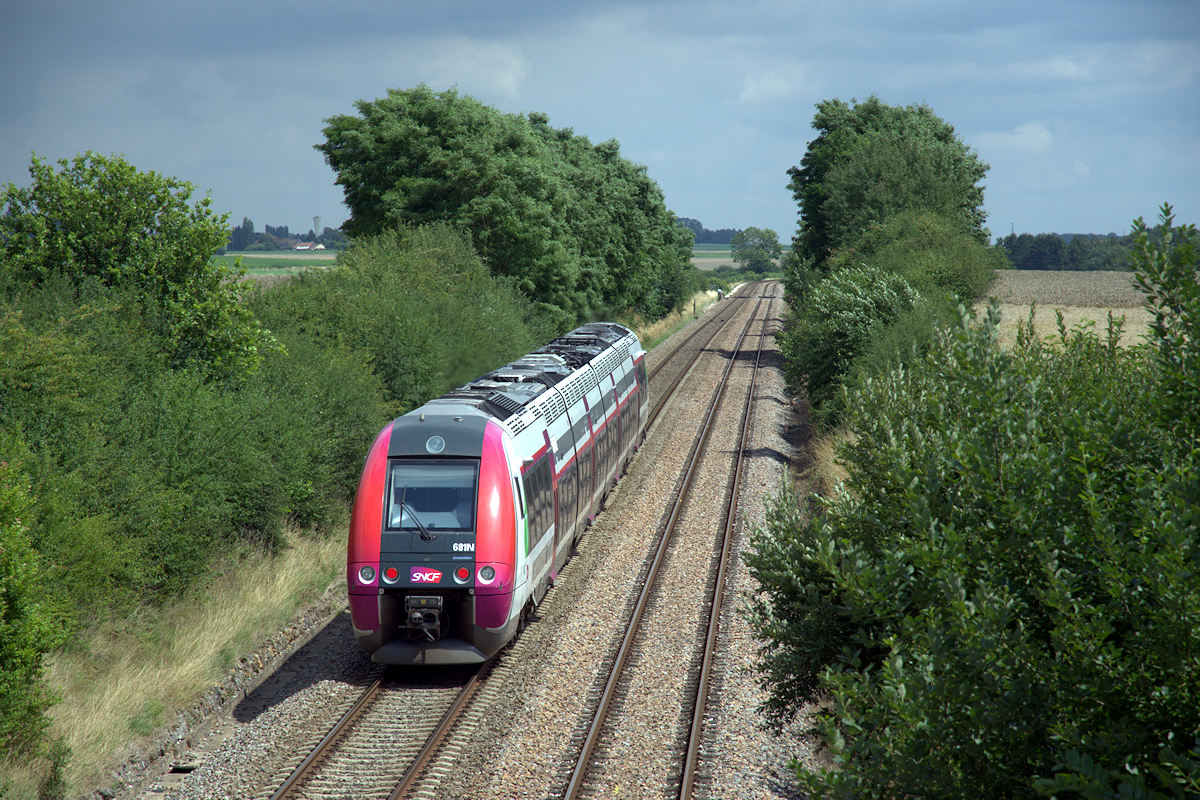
[[1082, 297], [711, 256], [278, 263]]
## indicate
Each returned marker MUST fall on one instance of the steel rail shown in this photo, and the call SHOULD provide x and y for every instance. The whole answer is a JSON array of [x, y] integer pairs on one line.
[[692, 756], [712, 321], [593, 736], [716, 325], [323, 746], [447, 722]]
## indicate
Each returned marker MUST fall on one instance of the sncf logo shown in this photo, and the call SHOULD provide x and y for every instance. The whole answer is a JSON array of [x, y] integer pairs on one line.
[[423, 575]]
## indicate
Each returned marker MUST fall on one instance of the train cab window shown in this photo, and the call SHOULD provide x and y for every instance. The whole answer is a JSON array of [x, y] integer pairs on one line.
[[431, 495]]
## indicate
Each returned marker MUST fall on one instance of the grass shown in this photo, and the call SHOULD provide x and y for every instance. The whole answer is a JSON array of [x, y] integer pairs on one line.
[[652, 334], [121, 685]]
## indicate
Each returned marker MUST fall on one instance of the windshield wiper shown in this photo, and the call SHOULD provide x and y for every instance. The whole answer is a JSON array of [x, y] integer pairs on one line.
[[412, 512]]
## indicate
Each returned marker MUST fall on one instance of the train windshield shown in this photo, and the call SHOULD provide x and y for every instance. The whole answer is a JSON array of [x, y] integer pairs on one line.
[[430, 496]]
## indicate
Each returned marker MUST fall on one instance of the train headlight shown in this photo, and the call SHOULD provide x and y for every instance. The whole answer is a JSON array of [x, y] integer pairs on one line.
[[366, 575], [487, 574]]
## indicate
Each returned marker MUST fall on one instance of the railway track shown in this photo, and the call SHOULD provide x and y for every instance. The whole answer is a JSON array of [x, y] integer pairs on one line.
[[385, 739], [419, 719], [603, 744]]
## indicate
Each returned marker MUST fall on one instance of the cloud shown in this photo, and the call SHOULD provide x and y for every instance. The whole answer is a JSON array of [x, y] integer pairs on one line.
[[1056, 68], [771, 85], [1031, 137], [490, 67]]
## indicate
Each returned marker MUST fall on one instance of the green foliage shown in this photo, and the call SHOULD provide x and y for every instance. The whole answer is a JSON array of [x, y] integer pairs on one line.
[[1003, 599], [933, 253], [98, 219], [756, 249], [836, 320], [28, 629], [870, 161], [578, 227], [1166, 272], [418, 305]]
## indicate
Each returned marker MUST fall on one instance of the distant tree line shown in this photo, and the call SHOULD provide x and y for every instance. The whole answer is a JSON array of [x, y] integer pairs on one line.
[[244, 238], [704, 235], [1068, 251]]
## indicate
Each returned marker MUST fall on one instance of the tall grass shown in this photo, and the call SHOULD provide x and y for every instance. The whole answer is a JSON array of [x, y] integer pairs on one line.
[[124, 682], [654, 333]]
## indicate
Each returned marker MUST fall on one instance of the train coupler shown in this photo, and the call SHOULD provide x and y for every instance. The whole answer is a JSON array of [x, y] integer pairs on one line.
[[423, 617]]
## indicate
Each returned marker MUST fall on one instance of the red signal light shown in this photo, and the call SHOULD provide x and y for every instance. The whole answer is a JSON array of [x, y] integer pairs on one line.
[[462, 574], [391, 574]]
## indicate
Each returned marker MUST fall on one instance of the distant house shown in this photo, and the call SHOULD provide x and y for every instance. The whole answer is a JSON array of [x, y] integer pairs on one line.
[[309, 246]]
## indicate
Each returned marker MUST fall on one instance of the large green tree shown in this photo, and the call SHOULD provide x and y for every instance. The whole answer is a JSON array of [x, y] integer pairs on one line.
[[756, 249], [581, 228], [870, 161], [98, 219]]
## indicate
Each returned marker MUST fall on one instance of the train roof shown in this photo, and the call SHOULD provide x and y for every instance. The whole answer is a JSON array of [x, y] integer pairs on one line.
[[505, 392]]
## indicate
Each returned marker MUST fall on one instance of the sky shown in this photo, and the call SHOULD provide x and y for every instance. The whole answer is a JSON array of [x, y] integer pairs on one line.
[[1088, 111]]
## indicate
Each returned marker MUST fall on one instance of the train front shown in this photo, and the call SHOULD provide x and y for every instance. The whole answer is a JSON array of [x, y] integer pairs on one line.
[[432, 549]]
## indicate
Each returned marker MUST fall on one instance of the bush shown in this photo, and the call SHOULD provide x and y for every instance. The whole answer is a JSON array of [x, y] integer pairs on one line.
[[929, 251], [418, 305], [100, 220], [1002, 601], [837, 319], [28, 629]]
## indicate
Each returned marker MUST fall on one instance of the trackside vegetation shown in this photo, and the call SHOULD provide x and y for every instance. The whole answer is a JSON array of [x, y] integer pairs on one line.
[[1002, 598], [160, 416]]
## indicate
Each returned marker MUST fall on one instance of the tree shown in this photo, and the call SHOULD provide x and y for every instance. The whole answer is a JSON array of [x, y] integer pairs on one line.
[[580, 228], [242, 236], [99, 219], [756, 249], [870, 161]]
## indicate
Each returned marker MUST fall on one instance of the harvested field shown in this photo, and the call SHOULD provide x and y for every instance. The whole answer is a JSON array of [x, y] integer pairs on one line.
[[1082, 297], [1051, 287]]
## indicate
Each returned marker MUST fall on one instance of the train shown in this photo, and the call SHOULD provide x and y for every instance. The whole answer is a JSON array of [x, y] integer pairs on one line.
[[468, 506]]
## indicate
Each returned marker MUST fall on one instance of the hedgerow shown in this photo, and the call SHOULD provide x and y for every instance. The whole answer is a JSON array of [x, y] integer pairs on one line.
[[1004, 598]]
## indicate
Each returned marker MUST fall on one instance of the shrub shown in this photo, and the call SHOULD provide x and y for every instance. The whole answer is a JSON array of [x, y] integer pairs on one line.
[[418, 304], [1002, 601], [28, 629], [836, 320], [99, 219], [929, 250]]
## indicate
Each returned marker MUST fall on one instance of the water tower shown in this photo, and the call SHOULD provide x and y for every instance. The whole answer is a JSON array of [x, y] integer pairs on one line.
[[317, 227]]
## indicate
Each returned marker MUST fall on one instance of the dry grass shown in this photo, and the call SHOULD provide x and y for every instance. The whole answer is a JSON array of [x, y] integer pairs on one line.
[[121, 685], [651, 334], [826, 472], [1083, 298]]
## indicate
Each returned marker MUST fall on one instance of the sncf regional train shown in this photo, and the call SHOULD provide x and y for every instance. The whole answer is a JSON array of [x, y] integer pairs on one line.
[[469, 505]]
